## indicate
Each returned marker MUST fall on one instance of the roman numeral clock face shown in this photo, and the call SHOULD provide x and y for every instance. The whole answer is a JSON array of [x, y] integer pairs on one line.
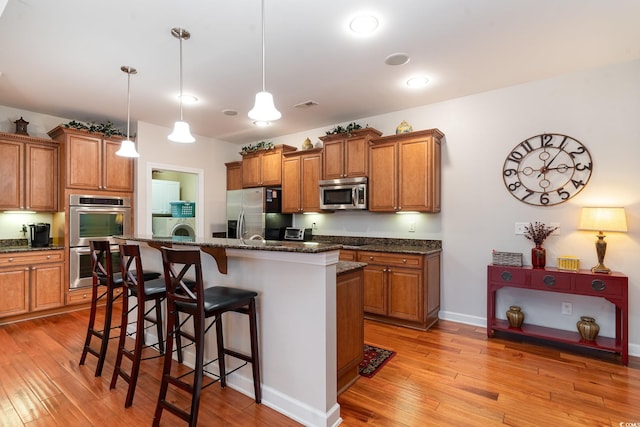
[[547, 169]]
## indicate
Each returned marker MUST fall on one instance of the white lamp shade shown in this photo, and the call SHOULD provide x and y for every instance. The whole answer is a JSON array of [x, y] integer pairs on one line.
[[603, 219], [264, 110], [127, 149], [181, 133]]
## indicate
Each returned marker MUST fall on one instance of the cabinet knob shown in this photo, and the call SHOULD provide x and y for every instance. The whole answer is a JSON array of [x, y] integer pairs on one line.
[[48, 256], [506, 276], [598, 285], [370, 258], [404, 260], [10, 260]]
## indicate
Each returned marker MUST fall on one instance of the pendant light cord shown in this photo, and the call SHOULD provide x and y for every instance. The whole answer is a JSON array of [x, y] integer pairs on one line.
[[128, 100], [263, 50], [180, 37]]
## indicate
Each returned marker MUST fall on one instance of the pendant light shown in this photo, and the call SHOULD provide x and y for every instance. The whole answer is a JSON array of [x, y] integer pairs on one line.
[[127, 147], [181, 132], [264, 111]]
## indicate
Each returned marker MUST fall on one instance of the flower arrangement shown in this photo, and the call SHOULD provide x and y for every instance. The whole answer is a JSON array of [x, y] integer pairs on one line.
[[108, 129], [344, 130], [538, 232], [262, 145]]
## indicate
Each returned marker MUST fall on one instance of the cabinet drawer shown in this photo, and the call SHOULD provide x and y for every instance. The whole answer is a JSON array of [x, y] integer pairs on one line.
[[547, 280], [391, 259], [597, 286], [509, 276], [81, 296], [27, 258]]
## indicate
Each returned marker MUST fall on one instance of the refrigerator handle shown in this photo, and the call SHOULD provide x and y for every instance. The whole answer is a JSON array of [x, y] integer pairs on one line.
[[240, 225]]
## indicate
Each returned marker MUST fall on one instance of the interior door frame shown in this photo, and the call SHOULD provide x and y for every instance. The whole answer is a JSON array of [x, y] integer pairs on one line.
[[199, 191]]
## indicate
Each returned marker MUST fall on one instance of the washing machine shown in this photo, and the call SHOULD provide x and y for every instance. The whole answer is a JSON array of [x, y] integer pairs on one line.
[[173, 227]]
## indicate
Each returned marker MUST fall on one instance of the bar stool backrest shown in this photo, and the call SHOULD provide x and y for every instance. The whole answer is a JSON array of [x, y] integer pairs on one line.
[[131, 267], [101, 262], [177, 263]]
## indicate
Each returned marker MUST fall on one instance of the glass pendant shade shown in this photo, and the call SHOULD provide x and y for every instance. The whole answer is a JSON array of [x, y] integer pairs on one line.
[[264, 110], [127, 149], [181, 133]]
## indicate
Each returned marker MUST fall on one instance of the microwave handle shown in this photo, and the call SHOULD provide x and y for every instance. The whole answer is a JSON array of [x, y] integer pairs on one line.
[[354, 195]]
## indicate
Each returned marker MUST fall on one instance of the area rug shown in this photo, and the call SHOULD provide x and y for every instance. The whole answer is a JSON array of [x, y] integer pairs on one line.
[[374, 359]]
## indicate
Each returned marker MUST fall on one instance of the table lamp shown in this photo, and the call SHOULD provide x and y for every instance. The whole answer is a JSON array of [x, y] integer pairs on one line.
[[602, 219]]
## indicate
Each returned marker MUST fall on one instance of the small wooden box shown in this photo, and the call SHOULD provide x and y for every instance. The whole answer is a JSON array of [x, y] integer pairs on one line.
[[569, 263]]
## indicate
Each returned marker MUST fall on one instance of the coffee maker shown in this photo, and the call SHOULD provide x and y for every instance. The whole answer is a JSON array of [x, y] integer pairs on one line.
[[39, 235]]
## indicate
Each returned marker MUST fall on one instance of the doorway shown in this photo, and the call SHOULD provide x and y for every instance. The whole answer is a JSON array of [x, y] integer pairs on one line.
[[191, 184]]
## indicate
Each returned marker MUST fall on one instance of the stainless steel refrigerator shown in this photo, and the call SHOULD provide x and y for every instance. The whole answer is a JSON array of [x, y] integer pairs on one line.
[[256, 212]]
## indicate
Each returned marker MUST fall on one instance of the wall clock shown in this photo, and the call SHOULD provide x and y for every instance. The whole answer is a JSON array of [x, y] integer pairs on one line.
[[547, 169]]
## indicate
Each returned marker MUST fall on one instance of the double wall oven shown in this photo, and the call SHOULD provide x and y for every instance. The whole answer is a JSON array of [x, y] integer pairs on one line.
[[94, 218]]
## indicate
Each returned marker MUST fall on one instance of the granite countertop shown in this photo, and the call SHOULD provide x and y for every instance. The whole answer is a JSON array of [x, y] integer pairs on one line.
[[375, 244], [348, 266], [259, 245], [12, 249]]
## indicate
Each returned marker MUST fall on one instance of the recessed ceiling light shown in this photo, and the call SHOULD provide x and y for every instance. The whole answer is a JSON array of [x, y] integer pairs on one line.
[[364, 24], [419, 81], [230, 112], [188, 99], [397, 59]]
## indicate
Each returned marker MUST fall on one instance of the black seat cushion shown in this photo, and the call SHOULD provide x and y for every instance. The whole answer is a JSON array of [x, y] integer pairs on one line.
[[220, 298], [117, 277], [155, 287]]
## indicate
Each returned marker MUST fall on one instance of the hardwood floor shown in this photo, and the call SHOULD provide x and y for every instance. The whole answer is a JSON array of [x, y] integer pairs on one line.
[[449, 375]]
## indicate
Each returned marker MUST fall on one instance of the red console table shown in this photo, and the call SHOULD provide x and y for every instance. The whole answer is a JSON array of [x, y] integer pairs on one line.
[[612, 287]]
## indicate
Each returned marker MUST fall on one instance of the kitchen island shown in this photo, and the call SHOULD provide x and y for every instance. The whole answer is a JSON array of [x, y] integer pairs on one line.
[[296, 286]]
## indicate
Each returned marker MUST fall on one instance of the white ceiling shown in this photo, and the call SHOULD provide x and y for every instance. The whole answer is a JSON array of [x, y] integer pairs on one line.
[[63, 57]]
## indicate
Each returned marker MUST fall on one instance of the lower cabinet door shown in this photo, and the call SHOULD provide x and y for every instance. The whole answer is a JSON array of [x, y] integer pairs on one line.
[[46, 286], [375, 290], [405, 287], [14, 288]]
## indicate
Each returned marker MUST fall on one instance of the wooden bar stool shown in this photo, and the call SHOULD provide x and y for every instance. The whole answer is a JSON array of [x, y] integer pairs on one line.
[[201, 304], [144, 291], [103, 288]]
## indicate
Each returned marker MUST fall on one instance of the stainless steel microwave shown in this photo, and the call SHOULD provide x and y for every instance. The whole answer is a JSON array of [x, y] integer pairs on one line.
[[346, 193]]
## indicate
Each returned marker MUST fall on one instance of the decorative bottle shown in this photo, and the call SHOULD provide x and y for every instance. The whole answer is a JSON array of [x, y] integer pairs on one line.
[[538, 257], [588, 328], [515, 316]]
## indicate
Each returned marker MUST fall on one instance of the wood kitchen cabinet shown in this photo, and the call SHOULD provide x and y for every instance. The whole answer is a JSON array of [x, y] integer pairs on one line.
[[91, 162], [403, 289], [300, 178], [234, 175], [347, 156], [29, 173], [404, 172], [264, 167], [31, 281]]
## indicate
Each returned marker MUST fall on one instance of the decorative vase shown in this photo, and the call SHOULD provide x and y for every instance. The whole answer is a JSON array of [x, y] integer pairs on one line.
[[538, 257], [515, 316], [404, 127], [307, 145], [588, 328]]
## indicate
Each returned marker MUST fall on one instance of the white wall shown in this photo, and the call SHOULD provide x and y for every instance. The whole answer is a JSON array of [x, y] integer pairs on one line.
[[206, 154], [599, 108]]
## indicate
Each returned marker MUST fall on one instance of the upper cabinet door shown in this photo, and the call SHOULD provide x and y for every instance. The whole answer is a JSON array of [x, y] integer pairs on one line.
[[41, 184], [84, 162], [12, 167], [117, 170]]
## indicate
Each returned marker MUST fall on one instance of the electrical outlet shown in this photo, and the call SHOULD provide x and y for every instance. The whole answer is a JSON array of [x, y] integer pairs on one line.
[[412, 227], [520, 227], [314, 226], [567, 308]]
